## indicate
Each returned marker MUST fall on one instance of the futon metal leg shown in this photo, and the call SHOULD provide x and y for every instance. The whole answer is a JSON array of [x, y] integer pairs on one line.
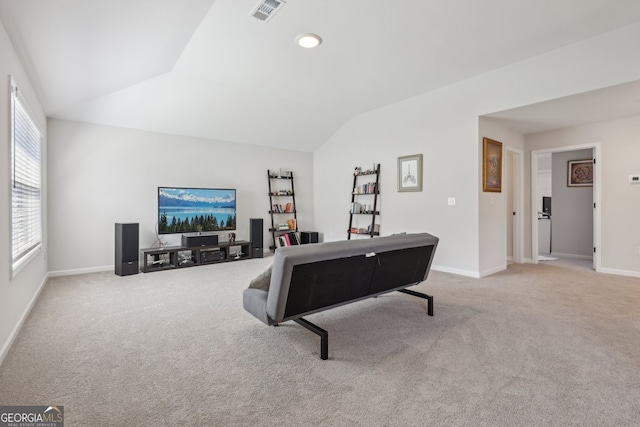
[[429, 299], [324, 336]]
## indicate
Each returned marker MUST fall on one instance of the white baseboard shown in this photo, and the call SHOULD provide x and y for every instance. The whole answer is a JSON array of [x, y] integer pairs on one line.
[[620, 272], [455, 271], [493, 270], [16, 329], [81, 271]]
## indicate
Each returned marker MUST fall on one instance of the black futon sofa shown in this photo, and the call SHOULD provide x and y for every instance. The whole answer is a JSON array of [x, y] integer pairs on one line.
[[307, 279]]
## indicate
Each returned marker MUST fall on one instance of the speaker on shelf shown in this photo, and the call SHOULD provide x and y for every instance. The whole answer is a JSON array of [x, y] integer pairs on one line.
[[256, 237], [308, 237], [127, 241], [195, 240]]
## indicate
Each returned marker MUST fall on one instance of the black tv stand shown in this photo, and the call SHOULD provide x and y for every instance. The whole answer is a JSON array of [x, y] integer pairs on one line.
[[171, 257]]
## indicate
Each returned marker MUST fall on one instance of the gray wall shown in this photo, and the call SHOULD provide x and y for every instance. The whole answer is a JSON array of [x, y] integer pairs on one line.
[[572, 209]]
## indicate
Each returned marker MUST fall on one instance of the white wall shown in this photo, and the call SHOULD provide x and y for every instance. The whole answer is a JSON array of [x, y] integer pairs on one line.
[[17, 294], [572, 218], [443, 126], [620, 152], [100, 175], [493, 206], [381, 136]]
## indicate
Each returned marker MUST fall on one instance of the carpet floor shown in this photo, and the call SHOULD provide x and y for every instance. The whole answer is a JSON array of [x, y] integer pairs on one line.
[[535, 345]]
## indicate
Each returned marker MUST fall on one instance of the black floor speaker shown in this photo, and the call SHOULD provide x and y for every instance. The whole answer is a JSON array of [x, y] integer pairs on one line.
[[256, 237], [127, 242]]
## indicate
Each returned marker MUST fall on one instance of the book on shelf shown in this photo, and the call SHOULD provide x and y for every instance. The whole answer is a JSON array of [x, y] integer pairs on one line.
[[288, 239], [279, 208], [368, 188]]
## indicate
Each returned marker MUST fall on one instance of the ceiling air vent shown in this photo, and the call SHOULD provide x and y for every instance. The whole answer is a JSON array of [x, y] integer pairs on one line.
[[266, 9]]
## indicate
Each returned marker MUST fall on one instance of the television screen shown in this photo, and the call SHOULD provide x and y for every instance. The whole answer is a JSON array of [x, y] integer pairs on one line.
[[188, 210]]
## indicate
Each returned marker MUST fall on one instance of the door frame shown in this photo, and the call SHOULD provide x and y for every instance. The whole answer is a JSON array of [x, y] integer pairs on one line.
[[518, 203], [597, 199]]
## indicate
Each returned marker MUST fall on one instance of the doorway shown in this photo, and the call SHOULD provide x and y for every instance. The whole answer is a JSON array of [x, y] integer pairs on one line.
[[591, 202]]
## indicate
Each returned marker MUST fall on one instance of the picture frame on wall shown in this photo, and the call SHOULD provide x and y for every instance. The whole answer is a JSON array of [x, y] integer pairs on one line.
[[580, 173], [491, 165], [410, 173]]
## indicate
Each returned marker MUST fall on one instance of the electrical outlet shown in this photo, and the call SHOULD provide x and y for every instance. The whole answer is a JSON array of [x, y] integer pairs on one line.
[[451, 201]]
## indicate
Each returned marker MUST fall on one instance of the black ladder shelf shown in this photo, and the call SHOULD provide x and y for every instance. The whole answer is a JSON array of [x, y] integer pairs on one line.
[[364, 191], [282, 202]]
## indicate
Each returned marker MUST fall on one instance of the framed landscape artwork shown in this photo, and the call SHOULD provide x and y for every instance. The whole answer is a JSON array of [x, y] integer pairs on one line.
[[580, 173], [410, 173], [491, 165]]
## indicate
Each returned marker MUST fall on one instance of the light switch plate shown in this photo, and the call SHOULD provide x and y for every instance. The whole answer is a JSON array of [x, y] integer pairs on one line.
[[634, 179]]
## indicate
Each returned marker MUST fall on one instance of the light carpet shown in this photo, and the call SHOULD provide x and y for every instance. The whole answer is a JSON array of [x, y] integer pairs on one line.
[[535, 345]]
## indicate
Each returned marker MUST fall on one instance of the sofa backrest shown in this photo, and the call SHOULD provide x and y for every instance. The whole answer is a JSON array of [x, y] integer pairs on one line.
[[310, 278]]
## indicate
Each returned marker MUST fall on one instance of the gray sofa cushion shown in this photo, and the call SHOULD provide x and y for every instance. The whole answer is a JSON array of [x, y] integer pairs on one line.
[[255, 302], [262, 280]]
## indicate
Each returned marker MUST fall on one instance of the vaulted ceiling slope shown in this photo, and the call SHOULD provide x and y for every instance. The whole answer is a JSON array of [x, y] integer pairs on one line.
[[207, 69]]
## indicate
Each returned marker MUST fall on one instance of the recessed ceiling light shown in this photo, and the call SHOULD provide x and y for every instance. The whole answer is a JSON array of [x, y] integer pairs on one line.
[[309, 40]]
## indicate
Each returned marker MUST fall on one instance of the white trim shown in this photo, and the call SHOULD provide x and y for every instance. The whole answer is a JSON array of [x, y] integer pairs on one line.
[[620, 272], [18, 100], [15, 91], [493, 270], [16, 329], [456, 271], [75, 272], [597, 214], [24, 261], [518, 201], [533, 192]]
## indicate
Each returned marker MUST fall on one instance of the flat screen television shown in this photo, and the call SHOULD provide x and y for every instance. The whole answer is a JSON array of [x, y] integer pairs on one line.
[[190, 210]]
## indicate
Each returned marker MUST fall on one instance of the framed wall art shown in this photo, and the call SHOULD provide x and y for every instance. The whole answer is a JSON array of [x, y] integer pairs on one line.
[[491, 165], [410, 173], [580, 173]]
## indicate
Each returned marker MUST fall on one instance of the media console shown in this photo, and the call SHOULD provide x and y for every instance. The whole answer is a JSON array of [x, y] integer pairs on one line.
[[170, 257]]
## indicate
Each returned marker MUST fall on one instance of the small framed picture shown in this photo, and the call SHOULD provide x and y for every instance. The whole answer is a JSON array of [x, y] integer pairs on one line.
[[580, 173], [410, 173], [491, 165]]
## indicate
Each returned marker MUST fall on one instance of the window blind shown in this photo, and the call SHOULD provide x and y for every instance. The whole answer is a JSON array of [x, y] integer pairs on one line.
[[26, 197]]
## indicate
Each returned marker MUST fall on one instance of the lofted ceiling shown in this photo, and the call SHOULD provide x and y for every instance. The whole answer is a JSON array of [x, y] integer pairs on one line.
[[205, 68]]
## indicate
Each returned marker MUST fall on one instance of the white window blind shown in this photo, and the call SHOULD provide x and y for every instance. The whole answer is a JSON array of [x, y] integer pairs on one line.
[[26, 197]]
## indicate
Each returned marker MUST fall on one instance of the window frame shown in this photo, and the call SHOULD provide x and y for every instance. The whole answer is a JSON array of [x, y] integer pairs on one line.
[[18, 263]]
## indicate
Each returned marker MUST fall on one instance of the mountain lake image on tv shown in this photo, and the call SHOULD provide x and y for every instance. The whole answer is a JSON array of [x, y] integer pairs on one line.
[[188, 210]]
